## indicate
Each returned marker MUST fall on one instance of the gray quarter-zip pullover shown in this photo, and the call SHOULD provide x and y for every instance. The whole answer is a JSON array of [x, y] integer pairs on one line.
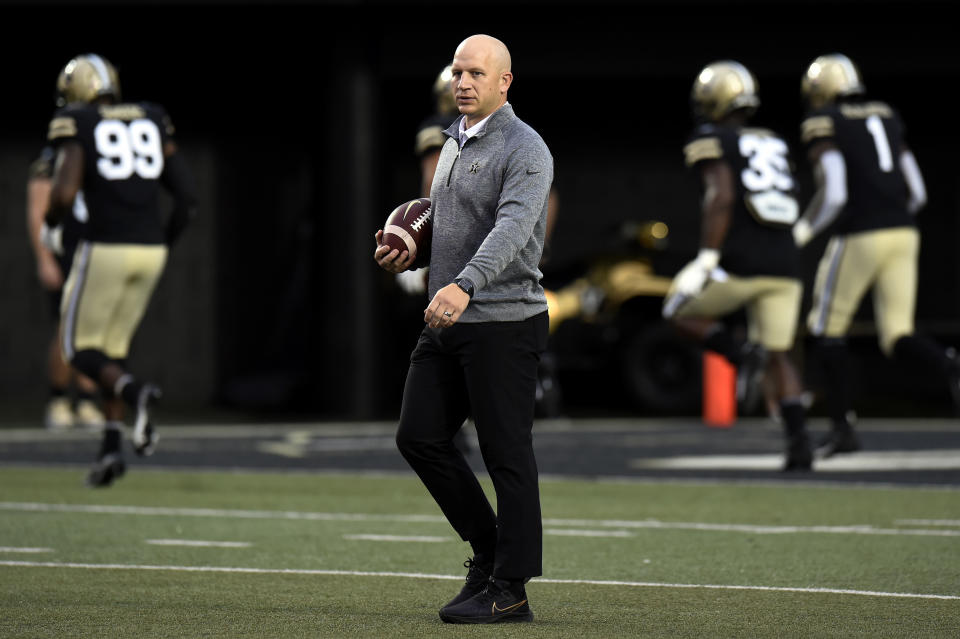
[[490, 216]]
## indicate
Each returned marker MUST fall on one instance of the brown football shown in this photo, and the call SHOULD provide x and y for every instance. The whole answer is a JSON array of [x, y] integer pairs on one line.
[[409, 227]]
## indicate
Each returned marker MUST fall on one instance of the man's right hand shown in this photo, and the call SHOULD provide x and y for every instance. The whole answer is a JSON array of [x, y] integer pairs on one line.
[[802, 233], [51, 237], [693, 277], [391, 259], [49, 273]]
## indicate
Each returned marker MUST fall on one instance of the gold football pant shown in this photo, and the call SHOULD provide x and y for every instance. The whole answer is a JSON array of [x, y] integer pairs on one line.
[[106, 295], [883, 260], [772, 305]]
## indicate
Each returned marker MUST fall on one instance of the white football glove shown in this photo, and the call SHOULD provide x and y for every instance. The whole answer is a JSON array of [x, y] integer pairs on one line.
[[413, 282], [802, 233], [693, 277], [52, 238]]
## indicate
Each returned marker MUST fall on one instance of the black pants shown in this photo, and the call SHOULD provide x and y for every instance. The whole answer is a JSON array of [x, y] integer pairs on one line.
[[487, 371]]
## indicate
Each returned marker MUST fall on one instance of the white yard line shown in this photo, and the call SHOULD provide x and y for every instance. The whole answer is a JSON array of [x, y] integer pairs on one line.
[[587, 533], [25, 550], [754, 529], [199, 543], [880, 461], [928, 522], [413, 575], [417, 538]]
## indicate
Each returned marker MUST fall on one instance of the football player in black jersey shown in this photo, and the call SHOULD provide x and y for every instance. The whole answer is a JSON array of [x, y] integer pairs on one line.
[[426, 148], [869, 189], [430, 139], [61, 412], [113, 158], [747, 259]]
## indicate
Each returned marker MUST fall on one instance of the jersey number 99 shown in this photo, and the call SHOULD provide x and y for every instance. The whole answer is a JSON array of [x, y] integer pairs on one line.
[[128, 149]]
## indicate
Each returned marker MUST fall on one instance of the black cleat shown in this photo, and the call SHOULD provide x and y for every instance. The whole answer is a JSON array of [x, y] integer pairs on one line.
[[106, 470], [479, 572], [953, 377], [838, 440], [799, 454], [144, 434], [496, 603], [753, 360]]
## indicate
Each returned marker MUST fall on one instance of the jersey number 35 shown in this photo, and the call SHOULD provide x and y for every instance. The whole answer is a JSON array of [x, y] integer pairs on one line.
[[767, 180]]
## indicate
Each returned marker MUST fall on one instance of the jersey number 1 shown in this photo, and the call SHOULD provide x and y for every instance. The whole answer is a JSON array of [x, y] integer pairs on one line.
[[126, 149], [879, 135]]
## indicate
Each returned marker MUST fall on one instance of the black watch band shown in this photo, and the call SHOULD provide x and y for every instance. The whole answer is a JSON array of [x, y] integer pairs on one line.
[[464, 285]]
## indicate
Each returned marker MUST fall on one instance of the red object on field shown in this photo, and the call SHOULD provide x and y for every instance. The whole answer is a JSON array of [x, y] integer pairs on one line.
[[719, 390]]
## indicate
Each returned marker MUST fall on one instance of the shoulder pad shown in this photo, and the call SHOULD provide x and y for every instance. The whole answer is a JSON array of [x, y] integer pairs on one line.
[[429, 138], [705, 148], [62, 126], [817, 126]]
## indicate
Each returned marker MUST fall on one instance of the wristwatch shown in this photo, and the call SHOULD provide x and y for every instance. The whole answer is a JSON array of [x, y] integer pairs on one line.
[[465, 285]]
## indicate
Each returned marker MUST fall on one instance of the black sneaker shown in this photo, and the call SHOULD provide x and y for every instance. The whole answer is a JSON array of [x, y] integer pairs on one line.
[[498, 602], [799, 454], [144, 434], [753, 360], [106, 470], [479, 572]]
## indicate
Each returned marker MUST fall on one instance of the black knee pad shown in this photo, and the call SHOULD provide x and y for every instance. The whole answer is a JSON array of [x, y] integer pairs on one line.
[[90, 362]]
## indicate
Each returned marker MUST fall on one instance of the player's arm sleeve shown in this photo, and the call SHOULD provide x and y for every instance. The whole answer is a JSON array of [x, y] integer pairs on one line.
[[830, 198], [914, 178], [179, 181]]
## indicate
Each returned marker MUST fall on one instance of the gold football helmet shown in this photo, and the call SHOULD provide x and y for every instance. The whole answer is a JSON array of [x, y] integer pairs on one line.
[[86, 78], [443, 93], [723, 87], [830, 77]]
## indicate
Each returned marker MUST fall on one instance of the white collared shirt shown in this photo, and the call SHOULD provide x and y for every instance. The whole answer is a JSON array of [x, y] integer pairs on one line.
[[466, 134]]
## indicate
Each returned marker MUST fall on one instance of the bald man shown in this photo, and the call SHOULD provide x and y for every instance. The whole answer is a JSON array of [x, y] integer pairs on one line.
[[485, 331]]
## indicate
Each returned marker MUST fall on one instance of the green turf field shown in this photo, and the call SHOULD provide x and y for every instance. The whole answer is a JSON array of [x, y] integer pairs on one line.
[[230, 554]]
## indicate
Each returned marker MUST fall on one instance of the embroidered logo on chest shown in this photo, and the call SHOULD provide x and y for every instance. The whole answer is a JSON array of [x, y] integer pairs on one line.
[[475, 167]]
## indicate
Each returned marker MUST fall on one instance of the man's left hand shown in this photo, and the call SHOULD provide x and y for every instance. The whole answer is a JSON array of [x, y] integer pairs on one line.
[[446, 307]]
